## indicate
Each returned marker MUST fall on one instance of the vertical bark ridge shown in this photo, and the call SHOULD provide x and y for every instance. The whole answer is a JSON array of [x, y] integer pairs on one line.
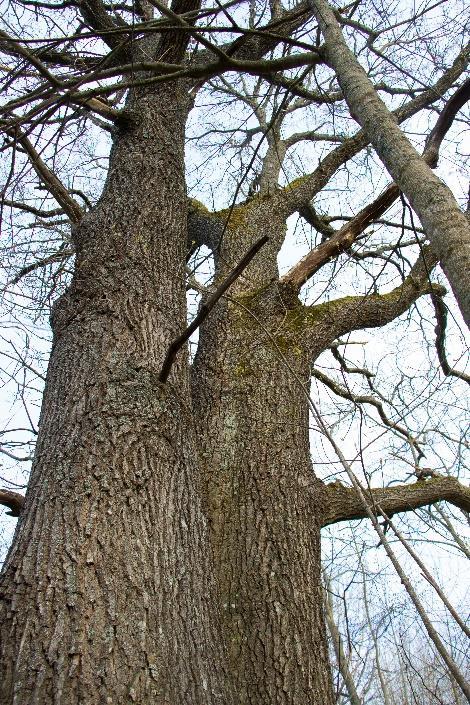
[[108, 591], [263, 504]]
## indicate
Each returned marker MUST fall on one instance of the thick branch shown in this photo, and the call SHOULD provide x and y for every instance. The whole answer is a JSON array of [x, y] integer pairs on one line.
[[173, 44], [255, 46], [376, 310], [344, 504], [95, 14], [8, 43], [204, 227], [18, 205], [344, 238], [444, 123], [13, 500]]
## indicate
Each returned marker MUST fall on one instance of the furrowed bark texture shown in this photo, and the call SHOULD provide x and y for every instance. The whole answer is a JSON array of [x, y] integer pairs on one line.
[[262, 499], [168, 550], [263, 505], [152, 508], [107, 593]]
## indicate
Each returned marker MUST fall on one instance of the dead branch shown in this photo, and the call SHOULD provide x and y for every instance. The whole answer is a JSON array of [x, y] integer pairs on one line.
[[207, 307]]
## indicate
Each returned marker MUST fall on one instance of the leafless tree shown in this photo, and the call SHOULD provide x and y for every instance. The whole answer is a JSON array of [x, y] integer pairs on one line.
[[167, 548]]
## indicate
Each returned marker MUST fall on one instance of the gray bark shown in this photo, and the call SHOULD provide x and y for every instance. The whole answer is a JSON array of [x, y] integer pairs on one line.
[[263, 506], [168, 549], [108, 592], [445, 224]]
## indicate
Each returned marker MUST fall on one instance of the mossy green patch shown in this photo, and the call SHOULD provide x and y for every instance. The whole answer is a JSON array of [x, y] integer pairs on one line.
[[237, 218], [198, 206], [243, 369], [297, 182]]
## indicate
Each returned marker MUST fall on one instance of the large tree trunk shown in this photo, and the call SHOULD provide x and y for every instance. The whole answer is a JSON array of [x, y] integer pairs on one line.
[[108, 591], [114, 584], [264, 504]]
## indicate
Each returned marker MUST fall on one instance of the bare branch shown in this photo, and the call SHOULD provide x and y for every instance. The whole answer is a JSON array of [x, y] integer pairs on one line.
[[343, 239], [207, 307], [51, 259], [341, 391], [442, 219], [52, 183], [444, 123], [31, 209], [95, 14], [425, 572], [375, 310], [343, 503], [340, 241], [302, 190], [338, 647], [364, 497], [441, 323]]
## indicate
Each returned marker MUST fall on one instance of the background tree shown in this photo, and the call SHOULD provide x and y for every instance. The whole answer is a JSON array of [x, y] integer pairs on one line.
[[168, 547]]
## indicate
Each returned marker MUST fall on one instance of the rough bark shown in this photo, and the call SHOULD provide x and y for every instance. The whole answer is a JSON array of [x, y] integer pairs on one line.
[[168, 549], [107, 592], [114, 584], [263, 505]]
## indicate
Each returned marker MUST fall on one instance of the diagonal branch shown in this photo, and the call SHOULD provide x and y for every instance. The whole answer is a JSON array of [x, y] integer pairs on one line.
[[10, 45], [343, 503], [59, 256], [345, 237], [364, 496], [431, 199], [338, 647], [207, 307], [173, 44], [444, 123], [302, 191], [341, 391], [52, 183], [96, 16], [255, 45], [341, 240]]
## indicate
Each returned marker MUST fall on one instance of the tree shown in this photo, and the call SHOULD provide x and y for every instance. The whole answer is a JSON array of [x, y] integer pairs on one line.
[[168, 546]]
